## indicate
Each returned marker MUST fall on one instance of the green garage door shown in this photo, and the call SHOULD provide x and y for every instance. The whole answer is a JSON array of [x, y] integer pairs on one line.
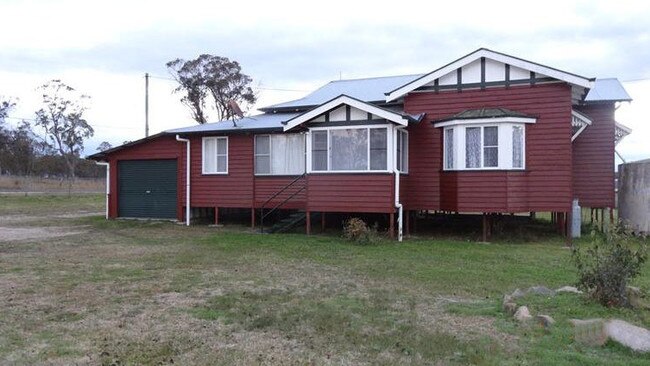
[[147, 188]]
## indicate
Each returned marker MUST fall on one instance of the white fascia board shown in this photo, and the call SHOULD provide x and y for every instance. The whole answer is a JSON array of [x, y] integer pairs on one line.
[[476, 121], [513, 61], [344, 99]]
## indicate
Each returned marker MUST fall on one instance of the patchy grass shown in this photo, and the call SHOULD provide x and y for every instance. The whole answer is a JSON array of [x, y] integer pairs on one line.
[[138, 292]]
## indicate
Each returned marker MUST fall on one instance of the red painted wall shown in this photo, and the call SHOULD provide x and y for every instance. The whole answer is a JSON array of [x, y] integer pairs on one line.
[[350, 192], [593, 158], [545, 186]]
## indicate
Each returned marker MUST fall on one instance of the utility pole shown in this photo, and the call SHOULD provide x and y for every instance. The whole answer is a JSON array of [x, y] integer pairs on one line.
[[146, 104]]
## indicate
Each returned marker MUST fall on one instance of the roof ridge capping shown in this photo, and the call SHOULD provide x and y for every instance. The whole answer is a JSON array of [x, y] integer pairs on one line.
[[494, 55]]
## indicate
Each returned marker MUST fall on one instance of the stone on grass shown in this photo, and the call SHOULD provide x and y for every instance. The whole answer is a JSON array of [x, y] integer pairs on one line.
[[569, 289], [541, 290], [510, 308], [507, 299], [590, 332], [517, 294], [546, 321], [522, 314], [636, 338]]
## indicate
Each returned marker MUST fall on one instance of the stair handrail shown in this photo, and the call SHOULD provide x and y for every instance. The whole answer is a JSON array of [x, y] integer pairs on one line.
[[263, 215]]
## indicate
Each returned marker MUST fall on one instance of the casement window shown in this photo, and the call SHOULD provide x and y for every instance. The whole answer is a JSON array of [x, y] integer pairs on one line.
[[215, 155], [449, 149], [484, 146], [402, 153], [280, 154], [354, 149]]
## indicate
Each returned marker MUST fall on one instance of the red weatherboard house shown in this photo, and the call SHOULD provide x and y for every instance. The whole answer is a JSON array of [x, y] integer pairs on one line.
[[487, 133]]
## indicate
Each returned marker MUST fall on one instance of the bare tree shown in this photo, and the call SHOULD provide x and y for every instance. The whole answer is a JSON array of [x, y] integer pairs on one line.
[[5, 106], [211, 76], [61, 118]]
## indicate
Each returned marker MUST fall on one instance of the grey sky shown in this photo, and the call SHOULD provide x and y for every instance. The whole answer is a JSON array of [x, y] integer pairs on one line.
[[104, 49]]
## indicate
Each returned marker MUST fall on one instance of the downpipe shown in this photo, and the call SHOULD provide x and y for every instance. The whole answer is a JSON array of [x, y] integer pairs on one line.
[[187, 178], [398, 204], [108, 182]]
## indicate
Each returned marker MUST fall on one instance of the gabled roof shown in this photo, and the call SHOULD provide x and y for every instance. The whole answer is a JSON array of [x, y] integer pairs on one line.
[[367, 90], [493, 55], [608, 90], [396, 117]]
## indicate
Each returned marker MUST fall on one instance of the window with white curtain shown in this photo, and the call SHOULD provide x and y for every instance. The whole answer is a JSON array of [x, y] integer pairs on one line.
[[349, 149], [484, 146], [215, 155], [280, 154], [517, 146], [449, 148]]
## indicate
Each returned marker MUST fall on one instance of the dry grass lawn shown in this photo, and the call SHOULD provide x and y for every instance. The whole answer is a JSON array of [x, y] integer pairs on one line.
[[81, 290]]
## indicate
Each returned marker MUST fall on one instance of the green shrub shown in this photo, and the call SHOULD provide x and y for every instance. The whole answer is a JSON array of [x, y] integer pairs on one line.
[[608, 263], [357, 231]]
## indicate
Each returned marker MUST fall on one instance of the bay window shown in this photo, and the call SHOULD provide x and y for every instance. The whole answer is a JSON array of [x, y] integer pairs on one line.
[[215, 155], [354, 149], [470, 146], [280, 154]]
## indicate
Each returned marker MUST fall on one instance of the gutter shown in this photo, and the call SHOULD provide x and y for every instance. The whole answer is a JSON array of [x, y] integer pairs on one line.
[[108, 182], [398, 205], [187, 178]]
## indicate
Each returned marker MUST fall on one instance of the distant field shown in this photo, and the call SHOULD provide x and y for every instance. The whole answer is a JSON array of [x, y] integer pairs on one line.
[[10, 183], [77, 289]]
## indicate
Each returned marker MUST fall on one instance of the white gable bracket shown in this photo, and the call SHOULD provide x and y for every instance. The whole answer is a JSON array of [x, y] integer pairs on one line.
[[344, 99]]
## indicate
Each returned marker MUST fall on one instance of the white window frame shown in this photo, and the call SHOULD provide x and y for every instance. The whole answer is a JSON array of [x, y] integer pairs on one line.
[[405, 152], [270, 155], [217, 155], [390, 149], [505, 146]]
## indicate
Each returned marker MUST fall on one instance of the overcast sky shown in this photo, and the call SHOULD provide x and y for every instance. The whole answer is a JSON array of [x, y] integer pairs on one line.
[[289, 48]]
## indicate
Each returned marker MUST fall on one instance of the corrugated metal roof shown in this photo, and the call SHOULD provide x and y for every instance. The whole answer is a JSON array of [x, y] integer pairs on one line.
[[609, 89], [484, 113], [266, 121], [367, 90]]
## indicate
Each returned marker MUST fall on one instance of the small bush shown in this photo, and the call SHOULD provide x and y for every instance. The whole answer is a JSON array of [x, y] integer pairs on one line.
[[608, 263], [358, 231]]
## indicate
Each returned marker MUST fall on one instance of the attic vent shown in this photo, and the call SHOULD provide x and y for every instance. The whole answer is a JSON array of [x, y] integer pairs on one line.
[[620, 131], [578, 123]]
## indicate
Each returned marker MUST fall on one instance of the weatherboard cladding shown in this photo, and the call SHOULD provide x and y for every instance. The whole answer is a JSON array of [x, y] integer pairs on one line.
[[593, 157], [544, 186]]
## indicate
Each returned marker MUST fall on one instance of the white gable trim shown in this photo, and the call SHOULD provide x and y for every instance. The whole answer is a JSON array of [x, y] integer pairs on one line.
[[496, 56], [344, 99]]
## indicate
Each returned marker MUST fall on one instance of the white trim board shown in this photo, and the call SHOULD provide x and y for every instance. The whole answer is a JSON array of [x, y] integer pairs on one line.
[[346, 100], [489, 120], [489, 55]]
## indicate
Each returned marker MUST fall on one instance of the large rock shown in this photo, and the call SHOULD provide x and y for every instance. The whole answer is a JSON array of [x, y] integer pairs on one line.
[[522, 314], [517, 294], [569, 289], [629, 335], [546, 321], [589, 332], [541, 290]]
